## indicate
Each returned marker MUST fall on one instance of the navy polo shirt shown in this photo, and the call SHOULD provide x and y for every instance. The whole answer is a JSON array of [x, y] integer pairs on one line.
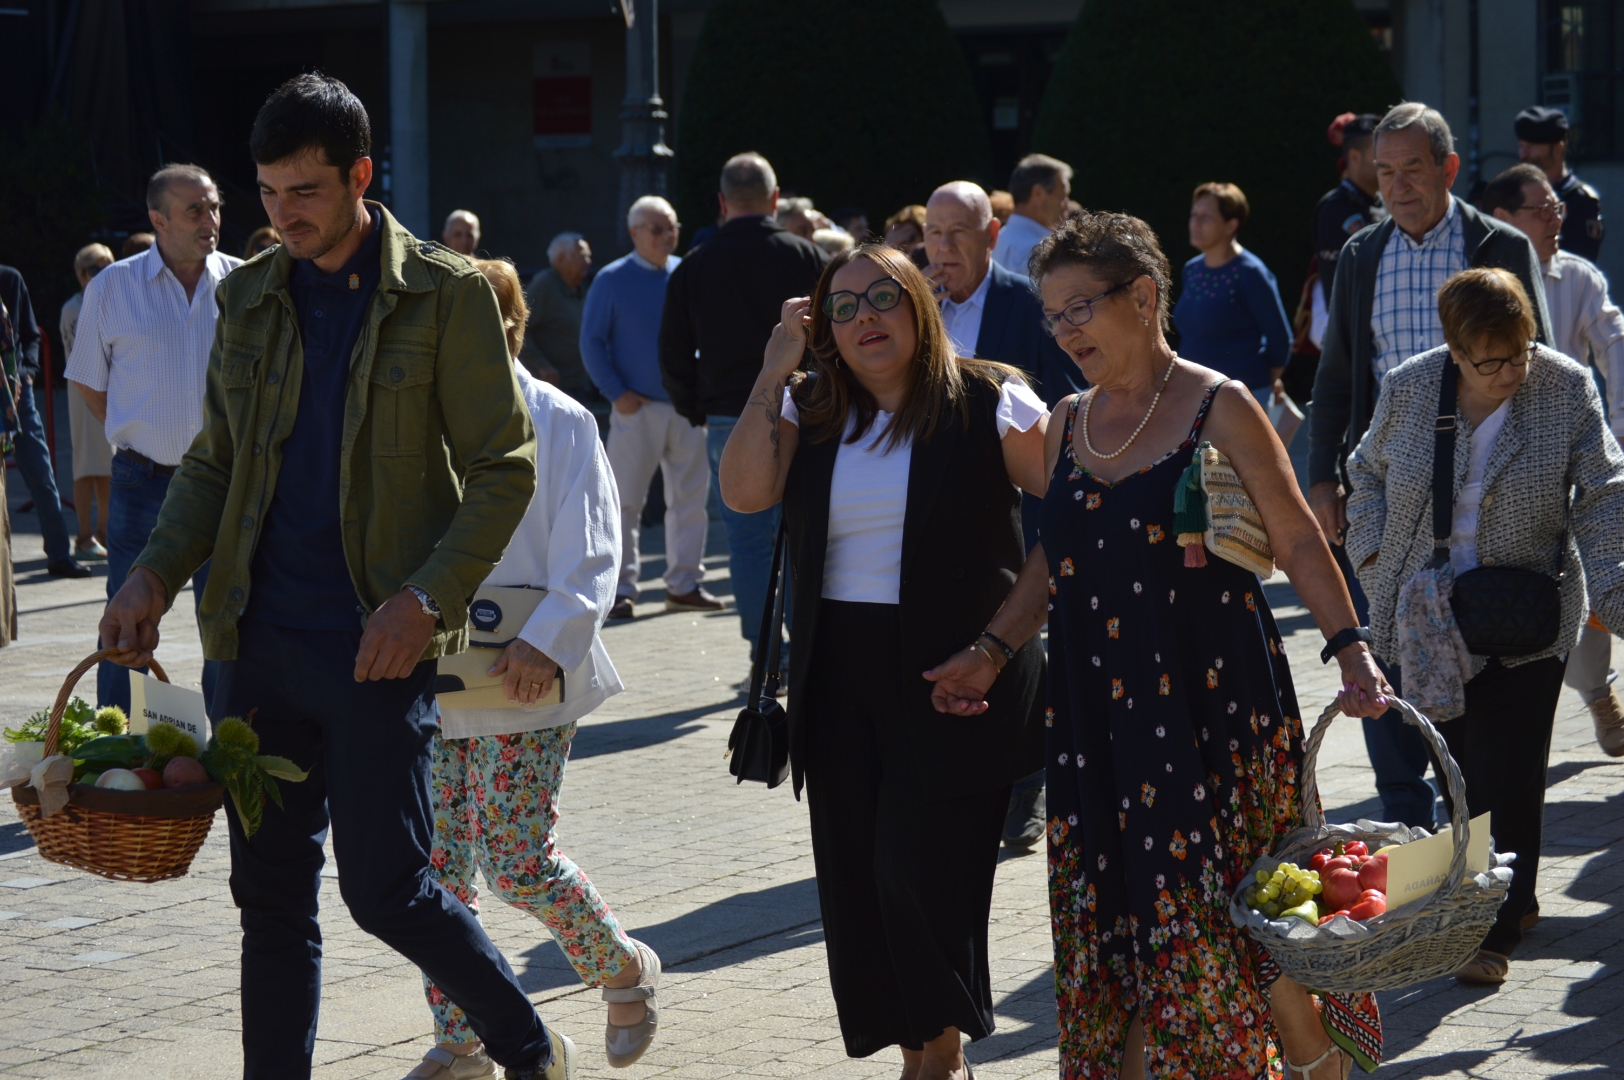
[[300, 577]]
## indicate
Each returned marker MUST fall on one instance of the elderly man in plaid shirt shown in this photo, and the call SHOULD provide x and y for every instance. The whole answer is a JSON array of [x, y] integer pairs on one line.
[[1384, 310]]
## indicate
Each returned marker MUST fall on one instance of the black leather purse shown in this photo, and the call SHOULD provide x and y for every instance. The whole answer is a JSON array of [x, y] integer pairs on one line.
[[758, 748], [1501, 610]]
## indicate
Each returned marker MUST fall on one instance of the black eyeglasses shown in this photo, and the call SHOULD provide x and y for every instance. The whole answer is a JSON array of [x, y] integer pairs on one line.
[[1079, 313], [883, 295], [1550, 211], [1493, 365]]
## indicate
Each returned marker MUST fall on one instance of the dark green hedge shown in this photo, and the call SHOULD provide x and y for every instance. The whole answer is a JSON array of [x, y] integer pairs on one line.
[[854, 103], [1151, 97]]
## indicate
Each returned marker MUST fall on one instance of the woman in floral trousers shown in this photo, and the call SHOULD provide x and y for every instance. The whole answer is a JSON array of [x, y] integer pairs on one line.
[[497, 772]]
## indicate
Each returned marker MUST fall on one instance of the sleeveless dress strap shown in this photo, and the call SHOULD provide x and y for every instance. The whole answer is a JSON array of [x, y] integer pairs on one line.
[[1201, 414]]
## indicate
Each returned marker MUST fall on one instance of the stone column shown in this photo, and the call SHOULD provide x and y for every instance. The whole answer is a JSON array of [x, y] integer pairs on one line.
[[645, 160], [408, 137]]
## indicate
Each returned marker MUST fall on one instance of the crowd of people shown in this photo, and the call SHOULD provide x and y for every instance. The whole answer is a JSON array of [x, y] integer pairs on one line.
[[963, 429]]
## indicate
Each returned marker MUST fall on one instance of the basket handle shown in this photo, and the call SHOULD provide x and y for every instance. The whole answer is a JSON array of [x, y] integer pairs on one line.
[[1460, 818], [55, 730]]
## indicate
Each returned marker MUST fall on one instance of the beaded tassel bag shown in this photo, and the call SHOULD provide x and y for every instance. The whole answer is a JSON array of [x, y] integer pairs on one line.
[[1212, 510]]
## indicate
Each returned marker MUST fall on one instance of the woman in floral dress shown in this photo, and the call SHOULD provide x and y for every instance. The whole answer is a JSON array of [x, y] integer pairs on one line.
[[1174, 734]]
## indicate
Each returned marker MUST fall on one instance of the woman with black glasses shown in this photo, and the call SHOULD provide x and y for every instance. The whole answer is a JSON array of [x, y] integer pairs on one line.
[[897, 464]]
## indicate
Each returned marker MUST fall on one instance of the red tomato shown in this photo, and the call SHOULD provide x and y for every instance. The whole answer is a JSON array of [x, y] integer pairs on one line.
[[1373, 874], [1319, 859], [1341, 887], [1356, 847], [150, 778], [1341, 862], [1371, 903]]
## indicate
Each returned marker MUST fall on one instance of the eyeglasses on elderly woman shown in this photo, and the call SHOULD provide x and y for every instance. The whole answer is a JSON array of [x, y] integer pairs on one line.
[[1080, 313], [1492, 365], [882, 295]]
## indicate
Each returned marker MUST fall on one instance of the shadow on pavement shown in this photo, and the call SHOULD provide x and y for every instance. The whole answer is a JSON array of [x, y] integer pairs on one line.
[[697, 940], [613, 736]]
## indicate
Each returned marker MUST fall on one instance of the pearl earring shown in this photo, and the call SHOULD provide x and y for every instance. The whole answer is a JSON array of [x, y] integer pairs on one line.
[[1145, 321]]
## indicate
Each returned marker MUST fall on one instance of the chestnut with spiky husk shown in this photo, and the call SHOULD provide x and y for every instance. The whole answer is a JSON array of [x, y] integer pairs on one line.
[[233, 759], [168, 741], [110, 720]]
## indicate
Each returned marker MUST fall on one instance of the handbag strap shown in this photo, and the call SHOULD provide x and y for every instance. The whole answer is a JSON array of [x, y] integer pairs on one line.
[[1443, 467], [765, 671]]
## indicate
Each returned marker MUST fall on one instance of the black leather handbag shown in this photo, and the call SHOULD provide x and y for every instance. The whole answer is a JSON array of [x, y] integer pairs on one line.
[[1501, 610], [758, 748]]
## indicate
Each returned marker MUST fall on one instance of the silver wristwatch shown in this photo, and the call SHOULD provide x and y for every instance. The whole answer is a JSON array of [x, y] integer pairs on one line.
[[430, 608]]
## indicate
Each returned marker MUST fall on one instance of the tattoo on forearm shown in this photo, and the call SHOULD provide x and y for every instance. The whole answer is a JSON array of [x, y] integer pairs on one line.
[[772, 403]]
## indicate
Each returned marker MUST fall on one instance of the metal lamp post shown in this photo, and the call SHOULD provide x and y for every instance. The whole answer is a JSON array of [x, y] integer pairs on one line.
[[645, 160]]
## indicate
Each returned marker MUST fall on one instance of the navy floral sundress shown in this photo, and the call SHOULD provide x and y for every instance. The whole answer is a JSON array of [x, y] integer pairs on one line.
[[1174, 745]]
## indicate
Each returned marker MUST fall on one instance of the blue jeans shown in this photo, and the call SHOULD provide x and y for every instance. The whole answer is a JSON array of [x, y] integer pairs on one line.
[[367, 747], [1397, 751], [750, 539], [132, 513], [39, 473]]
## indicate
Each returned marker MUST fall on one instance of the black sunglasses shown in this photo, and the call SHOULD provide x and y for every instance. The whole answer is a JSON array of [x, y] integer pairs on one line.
[[882, 295], [1079, 313]]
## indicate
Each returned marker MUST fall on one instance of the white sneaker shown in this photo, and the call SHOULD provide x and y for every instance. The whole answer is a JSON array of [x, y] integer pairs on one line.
[[441, 1064]]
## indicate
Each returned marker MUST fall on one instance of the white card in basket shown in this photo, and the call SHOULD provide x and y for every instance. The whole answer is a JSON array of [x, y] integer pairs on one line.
[[153, 701], [1416, 870]]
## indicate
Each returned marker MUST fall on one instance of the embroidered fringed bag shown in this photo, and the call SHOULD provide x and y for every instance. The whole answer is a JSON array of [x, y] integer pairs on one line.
[[1212, 510]]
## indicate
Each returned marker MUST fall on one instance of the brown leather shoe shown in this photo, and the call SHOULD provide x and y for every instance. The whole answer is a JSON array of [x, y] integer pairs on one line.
[[624, 608], [1608, 714], [698, 600]]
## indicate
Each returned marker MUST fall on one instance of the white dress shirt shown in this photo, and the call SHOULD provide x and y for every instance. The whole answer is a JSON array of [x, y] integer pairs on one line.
[[1463, 523], [868, 499], [963, 321], [568, 544], [147, 347], [1586, 325], [1016, 241]]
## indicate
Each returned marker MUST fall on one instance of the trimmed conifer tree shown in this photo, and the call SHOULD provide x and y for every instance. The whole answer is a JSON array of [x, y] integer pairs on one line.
[[854, 103], [1149, 98]]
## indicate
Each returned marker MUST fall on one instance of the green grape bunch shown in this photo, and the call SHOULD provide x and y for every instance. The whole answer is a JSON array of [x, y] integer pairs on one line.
[[1289, 890]]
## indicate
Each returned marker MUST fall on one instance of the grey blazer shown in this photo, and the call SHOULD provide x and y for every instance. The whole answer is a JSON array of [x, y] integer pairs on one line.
[[1553, 493]]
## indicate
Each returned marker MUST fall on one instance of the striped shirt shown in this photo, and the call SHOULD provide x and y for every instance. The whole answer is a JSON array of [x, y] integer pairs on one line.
[[147, 347], [1404, 311], [1586, 325]]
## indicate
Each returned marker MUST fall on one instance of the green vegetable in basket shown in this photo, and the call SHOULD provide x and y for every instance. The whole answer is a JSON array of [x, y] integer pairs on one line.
[[80, 724], [233, 759], [110, 720], [111, 752], [168, 741]]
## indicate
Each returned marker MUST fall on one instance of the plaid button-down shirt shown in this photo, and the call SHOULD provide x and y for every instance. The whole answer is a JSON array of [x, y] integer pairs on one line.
[[1404, 312]]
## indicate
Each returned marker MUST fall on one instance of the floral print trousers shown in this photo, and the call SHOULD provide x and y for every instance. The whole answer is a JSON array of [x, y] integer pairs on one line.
[[495, 805]]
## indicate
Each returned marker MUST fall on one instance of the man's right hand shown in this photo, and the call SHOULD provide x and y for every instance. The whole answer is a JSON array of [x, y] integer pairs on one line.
[[1330, 506], [629, 402], [130, 623]]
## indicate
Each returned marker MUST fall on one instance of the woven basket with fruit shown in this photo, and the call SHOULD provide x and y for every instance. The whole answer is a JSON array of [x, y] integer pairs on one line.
[[136, 807], [1319, 903]]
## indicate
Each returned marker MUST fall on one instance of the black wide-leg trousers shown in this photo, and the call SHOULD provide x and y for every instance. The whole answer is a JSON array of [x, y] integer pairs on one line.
[[904, 879]]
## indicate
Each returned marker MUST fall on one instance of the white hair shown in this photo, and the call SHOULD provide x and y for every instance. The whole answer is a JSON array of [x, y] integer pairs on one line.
[[649, 204], [472, 218], [564, 241], [833, 240]]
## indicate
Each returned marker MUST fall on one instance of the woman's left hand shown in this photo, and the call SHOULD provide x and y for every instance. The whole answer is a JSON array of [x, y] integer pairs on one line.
[[528, 672], [1365, 689], [962, 682]]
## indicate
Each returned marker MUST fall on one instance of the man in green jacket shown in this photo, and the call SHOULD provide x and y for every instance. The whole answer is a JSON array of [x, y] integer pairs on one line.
[[364, 459]]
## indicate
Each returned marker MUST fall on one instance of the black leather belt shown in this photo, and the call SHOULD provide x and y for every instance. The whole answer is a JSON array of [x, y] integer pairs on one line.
[[145, 462]]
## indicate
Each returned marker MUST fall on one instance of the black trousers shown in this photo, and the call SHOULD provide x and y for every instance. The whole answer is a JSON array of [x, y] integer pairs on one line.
[[904, 881], [366, 746], [1502, 745]]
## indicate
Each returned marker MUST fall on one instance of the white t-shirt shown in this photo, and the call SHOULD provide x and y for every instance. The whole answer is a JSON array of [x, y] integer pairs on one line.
[[868, 498], [1463, 529]]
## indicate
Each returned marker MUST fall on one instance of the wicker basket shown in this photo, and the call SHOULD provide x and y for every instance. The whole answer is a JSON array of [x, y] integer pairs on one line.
[[123, 835], [1422, 940]]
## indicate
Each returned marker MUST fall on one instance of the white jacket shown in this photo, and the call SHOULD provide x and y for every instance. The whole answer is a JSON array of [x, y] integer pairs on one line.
[[568, 544]]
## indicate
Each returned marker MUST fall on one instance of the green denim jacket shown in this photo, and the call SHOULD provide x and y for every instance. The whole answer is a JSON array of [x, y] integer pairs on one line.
[[439, 455]]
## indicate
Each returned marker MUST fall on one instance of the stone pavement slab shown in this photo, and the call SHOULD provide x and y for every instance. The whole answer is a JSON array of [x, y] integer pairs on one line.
[[107, 979]]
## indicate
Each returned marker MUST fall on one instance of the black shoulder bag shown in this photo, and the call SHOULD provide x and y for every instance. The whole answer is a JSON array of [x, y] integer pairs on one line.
[[758, 748], [1501, 610]]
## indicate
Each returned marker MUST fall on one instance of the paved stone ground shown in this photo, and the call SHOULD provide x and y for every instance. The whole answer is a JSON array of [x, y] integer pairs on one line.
[[103, 979]]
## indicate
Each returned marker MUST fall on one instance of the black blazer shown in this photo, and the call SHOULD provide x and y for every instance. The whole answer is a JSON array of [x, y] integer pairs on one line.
[[961, 551], [1012, 333], [1344, 386]]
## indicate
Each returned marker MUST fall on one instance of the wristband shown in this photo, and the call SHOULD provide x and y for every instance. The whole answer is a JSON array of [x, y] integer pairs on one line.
[[984, 651], [1342, 639], [1003, 646]]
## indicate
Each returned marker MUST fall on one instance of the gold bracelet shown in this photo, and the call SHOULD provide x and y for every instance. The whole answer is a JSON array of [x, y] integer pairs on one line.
[[984, 651]]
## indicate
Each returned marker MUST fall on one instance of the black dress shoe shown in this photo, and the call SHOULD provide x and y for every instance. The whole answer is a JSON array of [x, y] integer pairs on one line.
[[623, 608], [1025, 823], [67, 568]]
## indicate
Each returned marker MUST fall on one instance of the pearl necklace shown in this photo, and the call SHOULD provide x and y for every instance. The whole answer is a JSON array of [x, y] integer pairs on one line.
[[1088, 408]]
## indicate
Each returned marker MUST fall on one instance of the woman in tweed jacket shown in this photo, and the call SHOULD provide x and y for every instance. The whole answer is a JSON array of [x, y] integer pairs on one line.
[[1539, 485]]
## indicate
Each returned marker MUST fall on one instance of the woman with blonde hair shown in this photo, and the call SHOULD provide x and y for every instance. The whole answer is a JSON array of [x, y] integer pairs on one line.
[[896, 463], [497, 772]]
